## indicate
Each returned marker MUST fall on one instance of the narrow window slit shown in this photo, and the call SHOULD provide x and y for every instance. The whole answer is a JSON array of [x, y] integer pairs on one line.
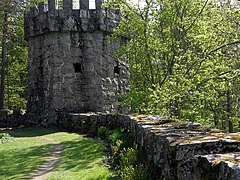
[[77, 67], [116, 70]]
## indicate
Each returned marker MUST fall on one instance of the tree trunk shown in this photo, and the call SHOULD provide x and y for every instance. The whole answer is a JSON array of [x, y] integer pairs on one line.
[[215, 119], [4, 59], [229, 109]]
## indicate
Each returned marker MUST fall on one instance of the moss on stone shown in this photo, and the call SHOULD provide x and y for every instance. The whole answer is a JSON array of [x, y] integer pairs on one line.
[[180, 125], [156, 131], [216, 131], [235, 137], [225, 159]]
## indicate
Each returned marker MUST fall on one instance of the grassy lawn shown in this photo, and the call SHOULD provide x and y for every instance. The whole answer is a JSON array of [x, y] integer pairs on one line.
[[81, 158]]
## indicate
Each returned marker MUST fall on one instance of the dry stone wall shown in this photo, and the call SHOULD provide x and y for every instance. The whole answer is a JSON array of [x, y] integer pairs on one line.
[[175, 151], [71, 65]]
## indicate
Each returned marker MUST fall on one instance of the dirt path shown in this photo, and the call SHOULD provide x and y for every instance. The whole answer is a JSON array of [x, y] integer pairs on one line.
[[45, 169]]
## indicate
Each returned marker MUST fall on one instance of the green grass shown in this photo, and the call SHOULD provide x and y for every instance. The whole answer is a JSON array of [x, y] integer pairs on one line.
[[81, 158]]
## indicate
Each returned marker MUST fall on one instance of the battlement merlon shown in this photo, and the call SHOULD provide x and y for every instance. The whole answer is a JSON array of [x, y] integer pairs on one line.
[[47, 17]]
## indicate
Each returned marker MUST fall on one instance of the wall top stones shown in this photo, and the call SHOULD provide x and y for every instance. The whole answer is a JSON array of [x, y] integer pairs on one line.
[[68, 4], [48, 17]]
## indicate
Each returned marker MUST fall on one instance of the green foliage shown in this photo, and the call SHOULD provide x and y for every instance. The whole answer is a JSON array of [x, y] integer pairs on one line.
[[129, 156], [137, 100], [125, 154], [120, 139], [4, 137], [103, 132], [131, 168], [139, 172], [16, 55], [184, 59]]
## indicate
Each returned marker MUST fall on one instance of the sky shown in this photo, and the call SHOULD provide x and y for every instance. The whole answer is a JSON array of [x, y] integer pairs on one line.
[[92, 3]]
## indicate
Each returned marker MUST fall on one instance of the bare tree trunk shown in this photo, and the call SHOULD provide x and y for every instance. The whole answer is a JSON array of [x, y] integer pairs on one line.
[[4, 59], [215, 119], [229, 110]]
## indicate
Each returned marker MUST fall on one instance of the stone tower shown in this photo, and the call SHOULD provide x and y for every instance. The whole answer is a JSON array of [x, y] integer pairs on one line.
[[71, 65]]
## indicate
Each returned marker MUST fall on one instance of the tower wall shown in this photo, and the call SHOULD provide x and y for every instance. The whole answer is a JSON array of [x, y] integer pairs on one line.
[[71, 65]]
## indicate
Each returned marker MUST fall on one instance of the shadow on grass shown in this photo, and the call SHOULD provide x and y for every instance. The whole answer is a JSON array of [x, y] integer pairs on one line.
[[29, 132], [79, 154], [81, 159], [15, 164]]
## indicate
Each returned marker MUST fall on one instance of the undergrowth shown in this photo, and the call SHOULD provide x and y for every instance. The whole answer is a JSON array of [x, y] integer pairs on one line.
[[4, 137], [126, 155]]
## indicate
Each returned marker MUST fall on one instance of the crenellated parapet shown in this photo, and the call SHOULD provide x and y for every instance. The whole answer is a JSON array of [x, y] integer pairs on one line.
[[70, 59], [49, 17]]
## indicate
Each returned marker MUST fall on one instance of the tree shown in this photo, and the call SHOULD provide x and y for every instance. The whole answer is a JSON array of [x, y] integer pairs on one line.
[[4, 51], [13, 53], [183, 58]]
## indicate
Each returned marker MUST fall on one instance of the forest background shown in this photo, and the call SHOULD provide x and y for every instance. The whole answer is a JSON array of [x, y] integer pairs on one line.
[[183, 58]]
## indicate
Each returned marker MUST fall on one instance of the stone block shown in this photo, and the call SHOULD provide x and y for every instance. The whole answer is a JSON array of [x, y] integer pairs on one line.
[[214, 166], [3, 114], [69, 24], [34, 11], [111, 14], [43, 7], [83, 14], [67, 4], [77, 53], [84, 4], [88, 67], [103, 27], [63, 14], [52, 5]]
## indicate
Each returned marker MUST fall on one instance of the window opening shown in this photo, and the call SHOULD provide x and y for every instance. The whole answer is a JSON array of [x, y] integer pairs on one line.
[[77, 67], [116, 70]]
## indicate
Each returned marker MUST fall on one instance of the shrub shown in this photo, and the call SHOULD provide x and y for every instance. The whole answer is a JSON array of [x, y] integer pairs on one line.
[[103, 132], [131, 168], [125, 154], [129, 157], [116, 134], [120, 139], [4, 137], [138, 172]]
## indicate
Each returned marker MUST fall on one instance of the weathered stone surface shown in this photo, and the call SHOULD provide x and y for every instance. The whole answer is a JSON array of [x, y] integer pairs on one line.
[[47, 18], [12, 118], [176, 150], [71, 65], [218, 166], [3, 114]]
